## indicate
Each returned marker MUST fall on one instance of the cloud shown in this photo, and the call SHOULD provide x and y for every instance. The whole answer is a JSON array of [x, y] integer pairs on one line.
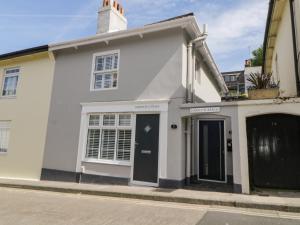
[[79, 21], [232, 31], [45, 16]]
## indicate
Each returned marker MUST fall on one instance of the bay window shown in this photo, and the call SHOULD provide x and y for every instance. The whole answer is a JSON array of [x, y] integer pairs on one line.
[[109, 137]]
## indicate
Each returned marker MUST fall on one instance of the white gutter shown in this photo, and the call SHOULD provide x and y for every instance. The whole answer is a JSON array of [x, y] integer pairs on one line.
[[188, 23]]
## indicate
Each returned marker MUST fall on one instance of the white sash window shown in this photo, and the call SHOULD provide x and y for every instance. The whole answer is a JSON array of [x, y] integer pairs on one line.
[[105, 71], [10, 82], [109, 137], [4, 136]]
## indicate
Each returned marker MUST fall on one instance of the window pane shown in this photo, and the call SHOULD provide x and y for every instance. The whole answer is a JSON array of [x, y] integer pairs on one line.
[[124, 145], [107, 81], [115, 80], [109, 120], [93, 143], [12, 71], [124, 120], [4, 136], [108, 144], [10, 86], [108, 62], [99, 63], [94, 120], [98, 81], [116, 61]]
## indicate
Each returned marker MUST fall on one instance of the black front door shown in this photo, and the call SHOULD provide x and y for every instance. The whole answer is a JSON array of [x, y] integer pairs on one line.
[[211, 150], [274, 151], [146, 148]]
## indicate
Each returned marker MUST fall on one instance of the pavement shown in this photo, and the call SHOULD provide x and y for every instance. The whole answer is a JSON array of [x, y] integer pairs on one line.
[[33, 207], [284, 204]]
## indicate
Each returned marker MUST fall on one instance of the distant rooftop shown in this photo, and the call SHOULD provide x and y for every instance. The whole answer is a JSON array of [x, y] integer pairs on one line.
[[23, 52], [173, 18]]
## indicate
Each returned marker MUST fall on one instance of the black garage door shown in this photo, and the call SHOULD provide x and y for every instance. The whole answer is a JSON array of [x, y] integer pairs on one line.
[[274, 151]]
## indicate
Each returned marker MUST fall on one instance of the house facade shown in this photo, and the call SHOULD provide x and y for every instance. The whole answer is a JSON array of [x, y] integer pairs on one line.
[[115, 109], [258, 139], [26, 83]]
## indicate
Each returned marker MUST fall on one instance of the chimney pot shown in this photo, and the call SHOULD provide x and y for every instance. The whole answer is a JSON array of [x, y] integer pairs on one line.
[[111, 17]]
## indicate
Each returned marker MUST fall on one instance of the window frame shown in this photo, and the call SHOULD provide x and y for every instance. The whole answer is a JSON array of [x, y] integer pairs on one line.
[[104, 72], [7, 76], [116, 127], [6, 125]]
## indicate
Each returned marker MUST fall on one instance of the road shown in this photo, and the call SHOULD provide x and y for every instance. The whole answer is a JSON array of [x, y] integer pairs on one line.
[[26, 207]]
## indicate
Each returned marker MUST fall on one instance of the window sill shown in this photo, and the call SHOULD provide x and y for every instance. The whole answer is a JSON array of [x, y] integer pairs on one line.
[[108, 162], [103, 89], [8, 97]]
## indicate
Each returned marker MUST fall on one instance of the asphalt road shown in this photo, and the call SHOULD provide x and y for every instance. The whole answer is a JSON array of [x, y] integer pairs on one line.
[[25, 207]]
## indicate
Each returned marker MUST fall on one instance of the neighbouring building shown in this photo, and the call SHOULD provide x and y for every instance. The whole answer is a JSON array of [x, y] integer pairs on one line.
[[115, 110], [235, 81], [259, 140], [26, 83]]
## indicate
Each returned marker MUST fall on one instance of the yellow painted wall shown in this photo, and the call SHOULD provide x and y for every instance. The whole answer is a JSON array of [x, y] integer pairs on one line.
[[283, 68], [28, 113]]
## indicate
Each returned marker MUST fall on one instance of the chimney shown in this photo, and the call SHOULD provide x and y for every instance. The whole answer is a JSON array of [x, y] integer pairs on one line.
[[248, 63], [111, 17]]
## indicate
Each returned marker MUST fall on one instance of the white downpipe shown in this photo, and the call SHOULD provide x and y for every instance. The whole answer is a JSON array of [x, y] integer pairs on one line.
[[191, 67], [188, 149]]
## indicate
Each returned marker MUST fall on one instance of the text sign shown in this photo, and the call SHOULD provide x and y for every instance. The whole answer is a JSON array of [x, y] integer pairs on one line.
[[206, 110]]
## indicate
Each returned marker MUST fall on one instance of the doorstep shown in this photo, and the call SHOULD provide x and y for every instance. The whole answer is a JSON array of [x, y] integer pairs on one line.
[[166, 195]]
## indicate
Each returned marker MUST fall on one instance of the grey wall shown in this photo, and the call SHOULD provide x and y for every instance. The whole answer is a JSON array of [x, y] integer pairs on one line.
[[150, 68]]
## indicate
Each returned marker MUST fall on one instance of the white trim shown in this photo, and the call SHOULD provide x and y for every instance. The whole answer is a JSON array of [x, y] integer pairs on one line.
[[225, 149], [131, 107], [107, 162], [189, 23], [92, 78], [10, 75], [140, 183]]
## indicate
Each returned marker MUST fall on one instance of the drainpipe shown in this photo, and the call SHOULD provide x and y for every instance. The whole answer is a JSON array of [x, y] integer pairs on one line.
[[188, 150], [292, 9], [190, 61]]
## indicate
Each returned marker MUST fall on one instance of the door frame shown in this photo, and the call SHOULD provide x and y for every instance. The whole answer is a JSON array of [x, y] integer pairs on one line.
[[225, 149], [142, 183]]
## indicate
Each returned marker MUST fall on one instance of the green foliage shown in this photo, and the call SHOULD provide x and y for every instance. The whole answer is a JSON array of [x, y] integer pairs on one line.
[[261, 81], [257, 59]]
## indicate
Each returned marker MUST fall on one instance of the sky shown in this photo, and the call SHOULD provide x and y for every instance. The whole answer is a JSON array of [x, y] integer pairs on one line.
[[235, 27]]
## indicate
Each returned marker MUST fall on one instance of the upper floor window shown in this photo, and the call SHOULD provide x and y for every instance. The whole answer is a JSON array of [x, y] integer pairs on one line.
[[105, 71], [10, 82], [4, 136], [233, 78]]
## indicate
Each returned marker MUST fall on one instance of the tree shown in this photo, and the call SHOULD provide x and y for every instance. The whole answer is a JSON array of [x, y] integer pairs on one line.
[[257, 59]]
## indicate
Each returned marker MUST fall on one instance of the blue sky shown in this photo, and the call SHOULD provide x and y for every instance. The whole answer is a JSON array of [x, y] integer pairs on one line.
[[235, 26]]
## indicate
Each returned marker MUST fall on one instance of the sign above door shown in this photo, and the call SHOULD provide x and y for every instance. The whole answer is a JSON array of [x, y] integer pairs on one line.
[[206, 110]]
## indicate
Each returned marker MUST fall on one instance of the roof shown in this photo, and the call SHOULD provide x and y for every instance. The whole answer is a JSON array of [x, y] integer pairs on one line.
[[273, 20], [232, 72], [174, 18], [187, 21], [28, 51]]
